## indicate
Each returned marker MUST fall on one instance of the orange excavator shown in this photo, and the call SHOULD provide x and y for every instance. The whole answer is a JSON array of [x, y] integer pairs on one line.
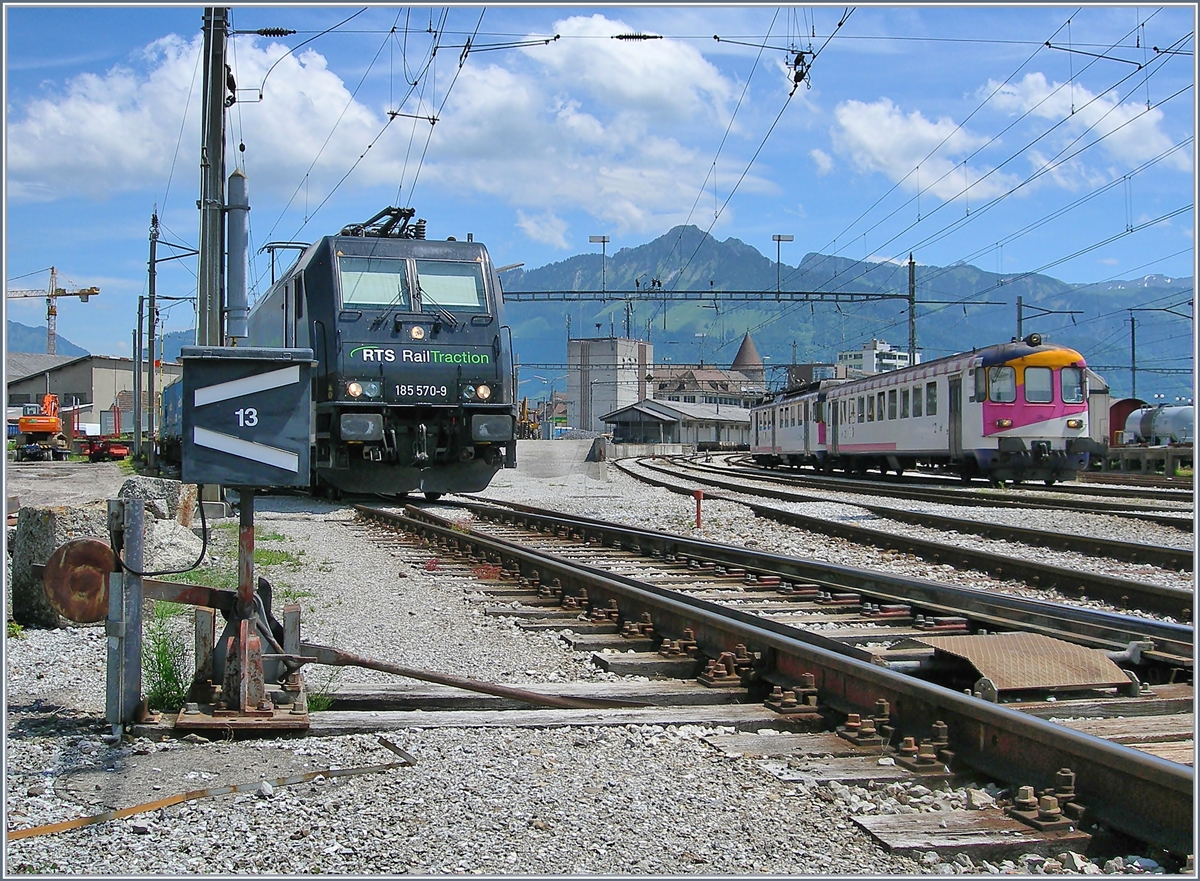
[[40, 435]]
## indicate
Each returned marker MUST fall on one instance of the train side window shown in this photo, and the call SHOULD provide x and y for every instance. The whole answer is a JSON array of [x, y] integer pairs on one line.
[[819, 414], [931, 399], [862, 409], [870, 408], [843, 412], [892, 404], [449, 285], [373, 281], [980, 385], [1038, 385], [299, 294], [1072, 385], [879, 405], [916, 398], [904, 403], [1002, 385]]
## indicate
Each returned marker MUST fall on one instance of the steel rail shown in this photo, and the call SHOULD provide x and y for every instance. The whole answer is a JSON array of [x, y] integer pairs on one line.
[[1122, 592], [1174, 643], [1130, 552], [1149, 513], [1138, 794]]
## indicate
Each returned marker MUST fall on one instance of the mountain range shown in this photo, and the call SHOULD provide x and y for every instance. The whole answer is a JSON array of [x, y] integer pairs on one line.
[[959, 307], [23, 338]]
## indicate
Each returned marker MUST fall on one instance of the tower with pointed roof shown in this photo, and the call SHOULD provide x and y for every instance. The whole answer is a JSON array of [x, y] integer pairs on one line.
[[749, 362]]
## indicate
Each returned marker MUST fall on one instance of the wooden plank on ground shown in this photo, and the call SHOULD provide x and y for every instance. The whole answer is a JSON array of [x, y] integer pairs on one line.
[[771, 745], [1166, 699], [742, 718], [982, 835], [848, 770], [1137, 729], [1182, 752]]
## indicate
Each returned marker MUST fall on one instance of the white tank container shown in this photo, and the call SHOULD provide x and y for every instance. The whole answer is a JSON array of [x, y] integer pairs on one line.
[[1166, 424]]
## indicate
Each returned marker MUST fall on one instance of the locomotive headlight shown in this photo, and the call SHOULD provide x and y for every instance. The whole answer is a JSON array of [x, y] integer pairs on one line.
[[1074, 423], [1004, 423], [483, 392], [354, 389], [372, 389], [468, 392], [417, 332]]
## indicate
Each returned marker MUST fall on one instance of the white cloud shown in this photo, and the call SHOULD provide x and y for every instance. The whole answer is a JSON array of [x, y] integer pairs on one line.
[[823, 160], [545, 227], [1131, 132], [880, 137]]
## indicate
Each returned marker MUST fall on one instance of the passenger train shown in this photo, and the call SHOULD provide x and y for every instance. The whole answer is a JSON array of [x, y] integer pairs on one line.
[[1009, 412], [413, 385]]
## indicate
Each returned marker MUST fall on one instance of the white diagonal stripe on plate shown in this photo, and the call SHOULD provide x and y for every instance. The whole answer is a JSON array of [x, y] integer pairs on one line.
[[244, 449], [247, 385]]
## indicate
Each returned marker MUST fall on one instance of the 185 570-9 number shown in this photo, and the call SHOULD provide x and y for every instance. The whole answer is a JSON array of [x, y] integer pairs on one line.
[[422, 391]]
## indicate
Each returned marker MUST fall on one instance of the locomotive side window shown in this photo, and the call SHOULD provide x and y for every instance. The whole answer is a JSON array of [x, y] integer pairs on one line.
[[931, 399], [892, 404], [916, 398], [1002, 385], [373, 281], [904, 403], [1072, 385], [1038, 388], [449, 285]]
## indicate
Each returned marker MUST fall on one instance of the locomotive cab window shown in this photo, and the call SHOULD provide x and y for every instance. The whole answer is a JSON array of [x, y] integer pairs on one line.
[[1002, 385], [1038, 388], [454, 286], [1072, 385], [374, 281]]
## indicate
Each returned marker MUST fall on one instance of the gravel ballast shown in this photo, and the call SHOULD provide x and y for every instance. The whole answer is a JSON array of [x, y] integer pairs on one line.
[[642, 799]]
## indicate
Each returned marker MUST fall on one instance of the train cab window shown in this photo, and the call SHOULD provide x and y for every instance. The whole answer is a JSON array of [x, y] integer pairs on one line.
[[447, 285], [1002, 385], [892, 404], [916, 398], [374, 281], [862, 409], [980, 385], [903, 403], [1038, 388], [879, 405], [1072, 385], [931, 399]]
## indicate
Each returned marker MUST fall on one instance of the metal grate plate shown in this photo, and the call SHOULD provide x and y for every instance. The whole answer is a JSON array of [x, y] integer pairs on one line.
[[1026, 661]]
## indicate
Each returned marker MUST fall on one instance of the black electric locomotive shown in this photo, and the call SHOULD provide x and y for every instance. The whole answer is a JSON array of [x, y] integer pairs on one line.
[[413, 386]]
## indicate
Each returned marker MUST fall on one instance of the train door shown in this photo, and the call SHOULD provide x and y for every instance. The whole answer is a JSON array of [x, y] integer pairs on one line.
[[804, 420], [831, 442], [955, 415], [774, 420]]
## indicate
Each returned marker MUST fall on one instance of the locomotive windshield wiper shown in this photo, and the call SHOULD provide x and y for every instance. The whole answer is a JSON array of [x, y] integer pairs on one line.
[[390, 309], [442, 312]]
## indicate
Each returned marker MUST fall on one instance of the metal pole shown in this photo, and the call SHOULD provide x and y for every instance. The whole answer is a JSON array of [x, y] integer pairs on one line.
[[137, 375], [152, 320], [123, 694], [212, 179], [912, 311], [1132, 354], [1020, 316]]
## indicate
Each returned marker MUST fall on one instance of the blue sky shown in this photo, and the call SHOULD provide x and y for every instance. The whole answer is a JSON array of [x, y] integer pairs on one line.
[[955, 133]]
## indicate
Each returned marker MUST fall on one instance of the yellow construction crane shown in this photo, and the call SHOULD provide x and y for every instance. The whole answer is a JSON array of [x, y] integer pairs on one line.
[[51, 294]]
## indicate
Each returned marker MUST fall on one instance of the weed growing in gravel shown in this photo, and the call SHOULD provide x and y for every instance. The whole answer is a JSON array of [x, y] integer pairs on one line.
[[270, 557], [165, 660], [320, 695], [291, 594], [15, 630], [208, 576]]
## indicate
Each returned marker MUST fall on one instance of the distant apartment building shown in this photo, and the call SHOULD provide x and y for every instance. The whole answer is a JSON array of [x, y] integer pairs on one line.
[[604, 375], [875, 356]]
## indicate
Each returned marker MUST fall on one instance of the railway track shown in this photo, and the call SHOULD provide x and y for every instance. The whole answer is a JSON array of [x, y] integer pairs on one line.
[[744, 619], [1122, 592], [1168, 512]]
